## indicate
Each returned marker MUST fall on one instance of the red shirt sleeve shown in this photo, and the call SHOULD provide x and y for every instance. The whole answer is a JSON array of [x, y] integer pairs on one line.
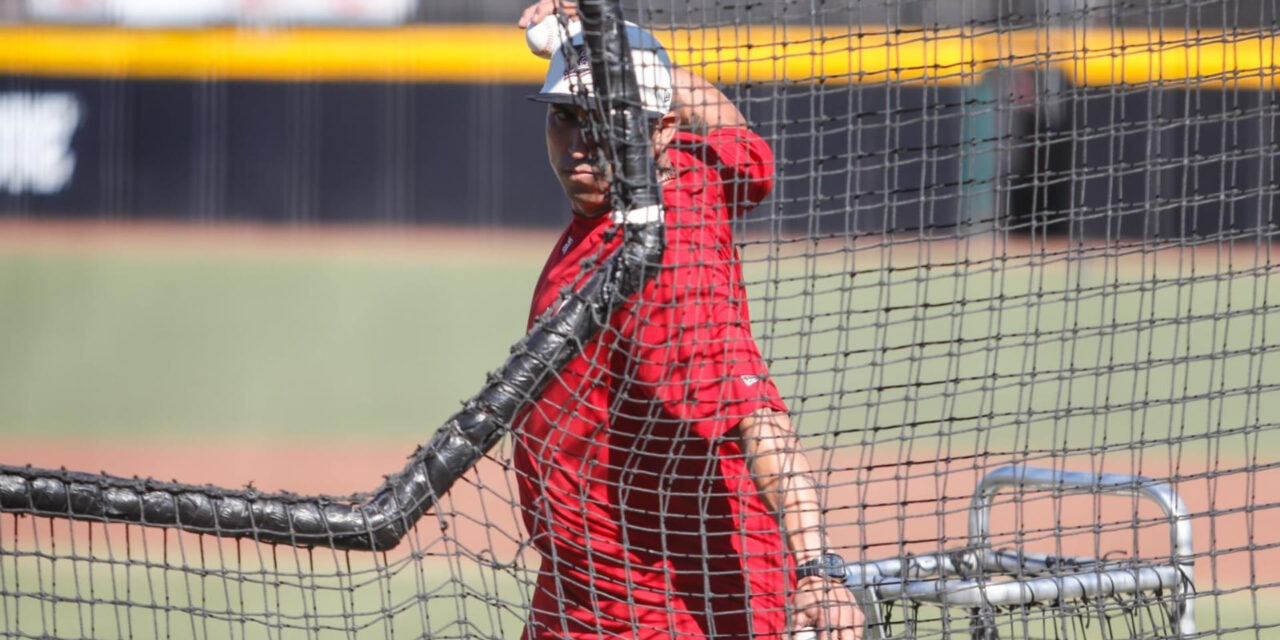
[[741, 160], [692, 355], [746, 166]]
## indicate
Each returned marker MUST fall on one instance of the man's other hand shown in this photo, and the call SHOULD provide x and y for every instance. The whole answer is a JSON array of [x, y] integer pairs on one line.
[[826, 606]]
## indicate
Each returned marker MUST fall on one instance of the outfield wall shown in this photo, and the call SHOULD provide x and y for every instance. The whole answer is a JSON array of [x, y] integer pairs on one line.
[[429, 125]]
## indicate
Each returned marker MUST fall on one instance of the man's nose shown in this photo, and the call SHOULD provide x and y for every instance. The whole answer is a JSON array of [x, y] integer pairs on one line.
[[578, 146], [581, 146]]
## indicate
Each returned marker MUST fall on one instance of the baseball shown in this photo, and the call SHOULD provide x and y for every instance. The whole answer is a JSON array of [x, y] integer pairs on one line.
[[807, 633], [546, 37]]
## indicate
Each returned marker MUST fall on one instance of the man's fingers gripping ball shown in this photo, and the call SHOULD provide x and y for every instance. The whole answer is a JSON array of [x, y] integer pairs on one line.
[[547, 36], [538, 11]]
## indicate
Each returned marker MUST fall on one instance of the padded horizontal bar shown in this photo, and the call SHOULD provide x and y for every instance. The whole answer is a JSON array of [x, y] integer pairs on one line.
[[1015, 591]]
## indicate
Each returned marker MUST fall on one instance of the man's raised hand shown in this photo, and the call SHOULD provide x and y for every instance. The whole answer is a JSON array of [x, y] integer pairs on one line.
[[543, 8]]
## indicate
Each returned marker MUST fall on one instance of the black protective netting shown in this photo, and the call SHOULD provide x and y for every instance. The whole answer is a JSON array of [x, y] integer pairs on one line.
[[1027, 234]]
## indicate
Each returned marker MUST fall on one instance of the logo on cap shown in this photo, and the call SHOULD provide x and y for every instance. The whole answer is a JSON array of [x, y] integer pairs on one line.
[[577, 78]]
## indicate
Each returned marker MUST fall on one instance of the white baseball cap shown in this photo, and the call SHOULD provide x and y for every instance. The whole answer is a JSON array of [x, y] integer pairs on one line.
[[569, 81]]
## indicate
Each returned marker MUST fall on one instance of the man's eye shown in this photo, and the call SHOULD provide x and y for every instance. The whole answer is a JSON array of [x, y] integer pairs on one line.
[[565, 116]]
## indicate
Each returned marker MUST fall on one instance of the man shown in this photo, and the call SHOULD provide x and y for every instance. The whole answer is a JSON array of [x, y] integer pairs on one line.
[[659, 475]]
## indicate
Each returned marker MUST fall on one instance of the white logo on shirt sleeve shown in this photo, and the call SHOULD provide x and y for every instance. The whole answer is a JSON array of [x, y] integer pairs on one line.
[[750, 381]]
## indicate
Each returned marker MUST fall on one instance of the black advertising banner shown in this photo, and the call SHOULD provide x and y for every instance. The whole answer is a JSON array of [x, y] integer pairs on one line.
[[276, 152], [474, 155], [429, 124]]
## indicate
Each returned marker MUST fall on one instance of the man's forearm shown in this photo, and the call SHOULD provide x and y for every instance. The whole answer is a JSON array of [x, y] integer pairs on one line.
[[785, 480], [700, 105]]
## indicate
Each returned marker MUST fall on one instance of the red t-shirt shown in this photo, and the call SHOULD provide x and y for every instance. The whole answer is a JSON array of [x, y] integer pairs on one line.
[[645, 513]]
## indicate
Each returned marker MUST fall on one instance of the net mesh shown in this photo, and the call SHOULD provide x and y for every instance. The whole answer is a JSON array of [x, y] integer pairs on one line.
[[999, 233]]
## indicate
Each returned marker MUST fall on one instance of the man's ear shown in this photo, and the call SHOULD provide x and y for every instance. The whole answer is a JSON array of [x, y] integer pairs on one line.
[[664, 131]]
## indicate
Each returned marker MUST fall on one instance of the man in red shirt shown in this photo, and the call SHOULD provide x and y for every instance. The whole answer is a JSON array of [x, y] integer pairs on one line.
[[659, 475]]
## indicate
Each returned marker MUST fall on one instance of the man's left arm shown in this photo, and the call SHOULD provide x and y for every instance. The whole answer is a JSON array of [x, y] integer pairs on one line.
[[785, 481]]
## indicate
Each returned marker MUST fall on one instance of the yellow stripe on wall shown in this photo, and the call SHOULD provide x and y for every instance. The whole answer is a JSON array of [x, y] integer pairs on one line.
[[421, 53], [1246, 60], [767, 53], [751, 53]]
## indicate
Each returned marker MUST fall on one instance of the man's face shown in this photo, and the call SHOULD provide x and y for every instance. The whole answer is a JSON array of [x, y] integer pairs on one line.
[[575, 157]]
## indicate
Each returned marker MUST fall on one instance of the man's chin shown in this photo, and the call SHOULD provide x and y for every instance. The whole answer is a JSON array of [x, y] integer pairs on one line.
[[590, 212], [586, 199], [592, 207]]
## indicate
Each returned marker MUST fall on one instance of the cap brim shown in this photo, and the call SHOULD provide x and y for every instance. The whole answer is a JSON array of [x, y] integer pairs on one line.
[[562, 98], [575, 101]]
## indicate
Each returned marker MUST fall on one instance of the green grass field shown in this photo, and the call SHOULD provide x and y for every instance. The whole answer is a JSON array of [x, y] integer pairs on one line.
[[232, 344], [1068, 357], [174, 346], [291, 595], [300, 595]]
